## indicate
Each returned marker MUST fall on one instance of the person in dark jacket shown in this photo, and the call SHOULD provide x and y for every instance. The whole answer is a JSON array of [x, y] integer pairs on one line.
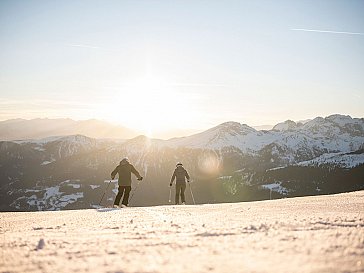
[[124, 169], [180, 174]]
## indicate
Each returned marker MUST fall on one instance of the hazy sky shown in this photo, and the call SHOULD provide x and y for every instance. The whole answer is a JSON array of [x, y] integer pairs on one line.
[[159, 65]]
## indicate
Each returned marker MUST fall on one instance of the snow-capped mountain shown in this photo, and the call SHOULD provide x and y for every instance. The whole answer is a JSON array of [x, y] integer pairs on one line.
[[228, 163], [224, 135], [334, 125], [295, 142], [285, 126]]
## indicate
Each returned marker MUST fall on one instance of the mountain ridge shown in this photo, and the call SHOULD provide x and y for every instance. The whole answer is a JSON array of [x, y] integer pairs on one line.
[[229, 162], [332, 134], [20, 129]]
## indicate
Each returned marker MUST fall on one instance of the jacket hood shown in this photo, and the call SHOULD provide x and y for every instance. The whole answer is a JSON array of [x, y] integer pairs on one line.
[[179, 167], [124, 161]]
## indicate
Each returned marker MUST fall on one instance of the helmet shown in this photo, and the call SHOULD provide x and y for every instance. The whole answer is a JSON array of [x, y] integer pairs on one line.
[[179, 164]]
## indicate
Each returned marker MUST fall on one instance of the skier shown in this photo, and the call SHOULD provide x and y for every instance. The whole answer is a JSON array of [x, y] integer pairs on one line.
[[124, 169], [180, 174]]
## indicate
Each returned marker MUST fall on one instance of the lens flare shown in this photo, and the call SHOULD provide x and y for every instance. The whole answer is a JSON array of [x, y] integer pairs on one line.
[[209, 163]]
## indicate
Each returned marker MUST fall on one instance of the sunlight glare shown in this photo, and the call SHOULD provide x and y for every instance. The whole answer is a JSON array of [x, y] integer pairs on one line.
[[209, 163], [150, 105]]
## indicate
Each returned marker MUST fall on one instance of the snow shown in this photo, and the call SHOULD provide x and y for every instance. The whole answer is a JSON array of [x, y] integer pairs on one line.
[[52, 199], [275, 187], [47, 162], [284, 126], [75, 186], [94, 186], [68, 145], [225, 177], [342, 160], [31, 190], [79, 139], [335, 133], [223, 135], [343, 120], [39, 141], [38, 148], [307, 234], [288, 142], [70, 198], [276, 168]]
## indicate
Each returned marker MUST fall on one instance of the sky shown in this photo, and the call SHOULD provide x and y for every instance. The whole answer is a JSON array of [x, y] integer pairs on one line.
[[156, 66]]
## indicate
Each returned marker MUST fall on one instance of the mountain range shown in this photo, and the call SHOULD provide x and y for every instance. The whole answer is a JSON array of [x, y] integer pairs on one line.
[[15, 129], [229, 162]]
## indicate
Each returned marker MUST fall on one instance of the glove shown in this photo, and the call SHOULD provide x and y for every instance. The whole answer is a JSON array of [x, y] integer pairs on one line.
[[188, 181], [170, 184], [112, 177], [140, 179]]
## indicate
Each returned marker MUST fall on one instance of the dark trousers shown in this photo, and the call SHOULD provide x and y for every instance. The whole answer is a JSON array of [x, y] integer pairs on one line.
[[123, 190], [180, 189]]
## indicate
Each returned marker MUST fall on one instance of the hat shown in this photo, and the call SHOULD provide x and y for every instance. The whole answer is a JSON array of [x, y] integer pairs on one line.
[[125, 159]]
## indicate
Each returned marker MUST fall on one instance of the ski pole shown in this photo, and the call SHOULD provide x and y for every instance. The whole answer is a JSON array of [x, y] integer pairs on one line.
[[170, 194], [193, 198], [104, 192], [136, 188]]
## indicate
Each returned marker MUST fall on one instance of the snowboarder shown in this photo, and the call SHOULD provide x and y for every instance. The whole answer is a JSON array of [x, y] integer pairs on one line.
[[124, 169], [180, 174]]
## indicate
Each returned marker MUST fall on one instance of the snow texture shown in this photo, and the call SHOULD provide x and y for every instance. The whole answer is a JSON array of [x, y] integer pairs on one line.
[[52, 199], [307, 234], [284, 126], [75, 186], [275, 187], [47, 162], [342, 160]]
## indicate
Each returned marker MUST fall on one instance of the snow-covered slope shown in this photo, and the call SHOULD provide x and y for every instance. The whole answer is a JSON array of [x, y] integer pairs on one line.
[[309, 234], [341, 160], [285, 126], [62, 146]]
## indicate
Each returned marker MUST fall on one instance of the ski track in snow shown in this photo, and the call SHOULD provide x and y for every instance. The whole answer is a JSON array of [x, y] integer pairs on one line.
[[307, 234]]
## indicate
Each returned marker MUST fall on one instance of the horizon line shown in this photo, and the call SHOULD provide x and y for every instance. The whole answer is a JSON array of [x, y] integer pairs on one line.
[[117, 124]]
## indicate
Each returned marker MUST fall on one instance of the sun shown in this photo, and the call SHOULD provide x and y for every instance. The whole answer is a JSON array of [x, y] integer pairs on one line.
[[148, 105]]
